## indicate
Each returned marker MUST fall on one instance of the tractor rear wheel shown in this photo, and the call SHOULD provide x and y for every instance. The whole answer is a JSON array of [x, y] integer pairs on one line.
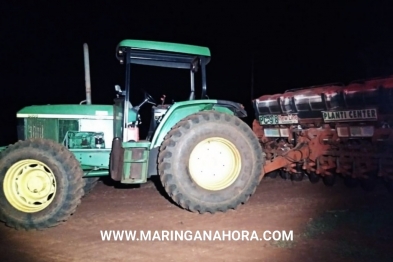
[[41, 184], [210, 162]]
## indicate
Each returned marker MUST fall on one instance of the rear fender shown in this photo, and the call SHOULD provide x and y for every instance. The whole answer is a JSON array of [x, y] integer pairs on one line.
[[180, 110]]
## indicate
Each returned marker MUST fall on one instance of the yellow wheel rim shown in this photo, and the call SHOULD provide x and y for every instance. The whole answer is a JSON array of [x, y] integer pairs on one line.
[[29, 186], [215, 163]]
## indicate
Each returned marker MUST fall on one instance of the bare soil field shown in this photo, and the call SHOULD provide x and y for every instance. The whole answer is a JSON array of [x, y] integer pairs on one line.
[[329, 224]]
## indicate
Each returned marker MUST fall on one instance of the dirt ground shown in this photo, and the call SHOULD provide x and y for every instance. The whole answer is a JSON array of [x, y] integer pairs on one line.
[[328, 223]]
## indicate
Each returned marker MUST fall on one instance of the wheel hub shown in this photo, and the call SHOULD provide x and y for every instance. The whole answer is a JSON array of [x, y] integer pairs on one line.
[[29, 186], [215, 163], [35, 184]]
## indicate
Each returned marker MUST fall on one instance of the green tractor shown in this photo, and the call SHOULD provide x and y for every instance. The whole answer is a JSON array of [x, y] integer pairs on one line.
[[207, 158]]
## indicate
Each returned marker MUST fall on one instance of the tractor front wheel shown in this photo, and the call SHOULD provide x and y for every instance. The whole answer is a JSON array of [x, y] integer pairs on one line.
[[210, 162], [41, 184]]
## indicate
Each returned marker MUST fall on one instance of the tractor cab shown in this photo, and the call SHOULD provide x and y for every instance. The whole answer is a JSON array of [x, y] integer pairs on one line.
[[150, 53], [126, 115]]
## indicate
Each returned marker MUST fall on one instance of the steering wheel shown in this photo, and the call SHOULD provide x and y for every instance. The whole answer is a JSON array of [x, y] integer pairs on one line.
[[150, 98]]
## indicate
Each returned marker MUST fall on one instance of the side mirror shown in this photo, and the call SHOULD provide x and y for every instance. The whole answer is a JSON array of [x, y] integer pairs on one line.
[[119, 91], [118, 88]]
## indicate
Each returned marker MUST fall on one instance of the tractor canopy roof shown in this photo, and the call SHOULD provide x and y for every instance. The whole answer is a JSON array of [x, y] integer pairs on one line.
[[161, 53]]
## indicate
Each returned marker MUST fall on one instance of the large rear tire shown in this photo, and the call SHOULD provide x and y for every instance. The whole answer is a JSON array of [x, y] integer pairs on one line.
[[41, 184], [210, 162]]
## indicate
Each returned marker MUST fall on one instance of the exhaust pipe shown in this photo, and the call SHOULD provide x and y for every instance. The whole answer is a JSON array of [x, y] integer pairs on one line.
[[87, 73]]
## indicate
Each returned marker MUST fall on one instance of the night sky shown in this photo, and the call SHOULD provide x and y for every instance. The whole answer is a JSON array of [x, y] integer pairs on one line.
[[293, 44]]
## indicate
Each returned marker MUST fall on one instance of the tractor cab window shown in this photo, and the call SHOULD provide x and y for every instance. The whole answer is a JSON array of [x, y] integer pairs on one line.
[[171, 82]]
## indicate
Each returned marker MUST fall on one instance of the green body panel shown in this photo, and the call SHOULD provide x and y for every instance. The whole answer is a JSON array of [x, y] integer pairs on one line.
[[132, 115], [141, 143], [92, 158], [96, 173], [181, 110], [88, 110], [167, 47]]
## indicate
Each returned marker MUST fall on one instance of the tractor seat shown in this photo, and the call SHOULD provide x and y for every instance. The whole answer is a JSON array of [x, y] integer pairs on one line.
[[156, 113]]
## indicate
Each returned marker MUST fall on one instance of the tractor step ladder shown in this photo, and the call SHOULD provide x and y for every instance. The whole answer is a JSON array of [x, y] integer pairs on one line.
[[136, 161]]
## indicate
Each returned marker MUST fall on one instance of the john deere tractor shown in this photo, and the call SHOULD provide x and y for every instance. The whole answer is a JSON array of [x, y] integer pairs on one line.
[[207, 158]]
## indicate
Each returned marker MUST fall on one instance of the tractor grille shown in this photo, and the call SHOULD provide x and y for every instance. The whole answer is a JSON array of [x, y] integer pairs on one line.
[[48, 128], [41, 128]]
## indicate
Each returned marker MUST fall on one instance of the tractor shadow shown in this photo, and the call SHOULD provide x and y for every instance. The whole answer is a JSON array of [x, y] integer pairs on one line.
[[152, 182], [155, 180], [108, 181]]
